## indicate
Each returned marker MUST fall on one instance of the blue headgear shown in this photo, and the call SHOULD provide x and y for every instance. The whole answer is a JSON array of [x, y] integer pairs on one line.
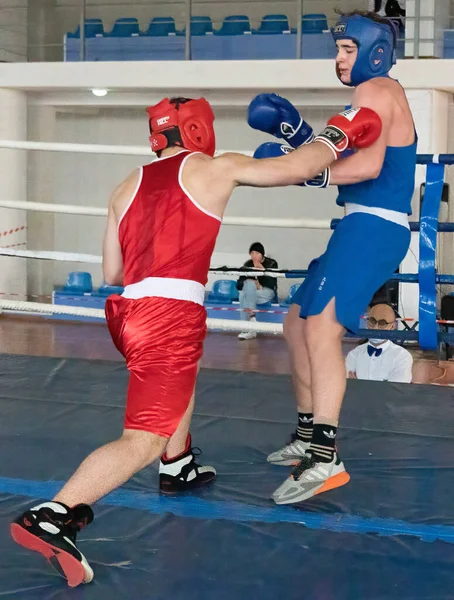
[[376, 46]]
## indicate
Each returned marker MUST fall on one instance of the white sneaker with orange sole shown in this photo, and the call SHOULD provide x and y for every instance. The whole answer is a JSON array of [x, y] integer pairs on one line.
[[310, 478]]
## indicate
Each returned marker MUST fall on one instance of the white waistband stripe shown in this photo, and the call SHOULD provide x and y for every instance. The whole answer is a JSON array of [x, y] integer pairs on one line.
[[166, 287], [390, 215]]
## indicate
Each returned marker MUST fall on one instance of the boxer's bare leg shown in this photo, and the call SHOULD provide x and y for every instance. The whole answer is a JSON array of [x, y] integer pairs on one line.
[[110, 466]]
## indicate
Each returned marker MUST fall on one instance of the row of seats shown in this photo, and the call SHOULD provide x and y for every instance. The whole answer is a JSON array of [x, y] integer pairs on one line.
[[223, 291], [80, 282], [233, 25], [206, 47]]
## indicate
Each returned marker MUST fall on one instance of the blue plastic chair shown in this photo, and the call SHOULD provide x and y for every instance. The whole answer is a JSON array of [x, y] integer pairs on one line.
[[235, 25], [79, 282], [314, 23], [201, 25], [125, 27], [108, 290], [161, 26], [93, 28], [224, 291], [273, 24], [291, 293]]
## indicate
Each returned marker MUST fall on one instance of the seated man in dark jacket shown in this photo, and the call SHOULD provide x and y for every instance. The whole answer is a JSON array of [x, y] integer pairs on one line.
[[255, 289]]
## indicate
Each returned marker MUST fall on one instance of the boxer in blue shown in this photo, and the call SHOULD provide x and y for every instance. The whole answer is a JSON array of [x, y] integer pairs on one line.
[[376, 186]]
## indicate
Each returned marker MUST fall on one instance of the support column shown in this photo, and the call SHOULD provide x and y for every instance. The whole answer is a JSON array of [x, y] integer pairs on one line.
[[41, 177], [45, 41], [425, 23], [430, 113], [13, 175]]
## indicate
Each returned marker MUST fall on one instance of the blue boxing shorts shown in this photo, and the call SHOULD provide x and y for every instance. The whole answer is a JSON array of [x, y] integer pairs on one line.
[[362, 254]]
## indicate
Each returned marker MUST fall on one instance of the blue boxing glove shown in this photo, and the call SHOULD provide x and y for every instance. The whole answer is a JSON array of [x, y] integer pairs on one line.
[[273, 114], [273, 150]]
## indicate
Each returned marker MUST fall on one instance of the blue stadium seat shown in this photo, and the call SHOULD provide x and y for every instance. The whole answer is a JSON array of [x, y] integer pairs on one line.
[[224, 291], [161, 26], [291, 293], [125, 27], [273, 24], [93, 27], [235, 25], [201, 25], [108, 290], [79, 282], [314, 23]]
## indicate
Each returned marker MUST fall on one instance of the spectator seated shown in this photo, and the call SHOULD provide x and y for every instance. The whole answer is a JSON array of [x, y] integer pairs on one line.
[[235, 25], [224, 292], [273, 24], [265, 305], [78, 282]]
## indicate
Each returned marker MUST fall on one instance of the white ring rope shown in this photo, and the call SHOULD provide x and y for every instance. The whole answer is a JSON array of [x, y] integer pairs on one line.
[[71, 209], [52, 255], [91, 148], [68, 209], [97, 313], [213, 324], [95, 259]]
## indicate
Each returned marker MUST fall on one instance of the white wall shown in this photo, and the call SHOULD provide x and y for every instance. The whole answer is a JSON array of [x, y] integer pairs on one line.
[[89, 180]]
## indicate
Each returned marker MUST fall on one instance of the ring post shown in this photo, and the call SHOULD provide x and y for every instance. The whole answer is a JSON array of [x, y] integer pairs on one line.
[[428, 328]]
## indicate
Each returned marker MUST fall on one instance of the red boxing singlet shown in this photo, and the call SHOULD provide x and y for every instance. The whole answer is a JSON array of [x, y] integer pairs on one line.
[[167, 240], [164, 232]]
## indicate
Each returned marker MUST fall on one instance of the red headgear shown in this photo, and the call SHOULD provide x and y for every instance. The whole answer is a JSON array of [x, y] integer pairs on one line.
[[194, 120]]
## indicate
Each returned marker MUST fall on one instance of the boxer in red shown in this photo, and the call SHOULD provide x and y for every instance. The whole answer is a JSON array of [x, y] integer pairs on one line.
[[163, 221]]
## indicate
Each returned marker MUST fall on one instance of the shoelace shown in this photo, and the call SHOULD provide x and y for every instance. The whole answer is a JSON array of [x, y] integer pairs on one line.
[[192, 465], [307, 462]]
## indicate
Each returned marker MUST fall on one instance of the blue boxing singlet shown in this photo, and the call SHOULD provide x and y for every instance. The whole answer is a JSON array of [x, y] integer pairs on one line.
[[394, 187]]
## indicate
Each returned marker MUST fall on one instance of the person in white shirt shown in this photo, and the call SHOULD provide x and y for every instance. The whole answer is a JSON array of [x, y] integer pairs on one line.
[[380, 360]]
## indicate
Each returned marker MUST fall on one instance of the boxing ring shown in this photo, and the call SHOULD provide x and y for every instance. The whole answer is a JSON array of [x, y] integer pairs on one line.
[[389, 534], [432, 334]]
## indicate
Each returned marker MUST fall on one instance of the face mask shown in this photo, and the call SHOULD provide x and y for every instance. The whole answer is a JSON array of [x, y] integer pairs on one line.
[[376, 342]]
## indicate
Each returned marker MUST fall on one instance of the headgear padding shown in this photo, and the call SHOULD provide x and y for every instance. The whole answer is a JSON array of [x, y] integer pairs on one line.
[[193, 120], [376, 46]]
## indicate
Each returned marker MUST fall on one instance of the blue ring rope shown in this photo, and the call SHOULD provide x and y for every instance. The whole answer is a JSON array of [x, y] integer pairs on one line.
[[414, 226], [426, 276], [442, 159]]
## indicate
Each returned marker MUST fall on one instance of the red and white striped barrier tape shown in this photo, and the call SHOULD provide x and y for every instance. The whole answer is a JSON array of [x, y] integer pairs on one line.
[[11, 231]]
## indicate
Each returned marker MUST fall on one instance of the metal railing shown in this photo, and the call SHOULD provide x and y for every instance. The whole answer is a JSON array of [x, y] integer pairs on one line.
[[25, 37]]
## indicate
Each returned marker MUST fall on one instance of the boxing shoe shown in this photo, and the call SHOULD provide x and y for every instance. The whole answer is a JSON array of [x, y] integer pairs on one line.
[[310, 478], [291, 454], [182, 473], [51, 528]]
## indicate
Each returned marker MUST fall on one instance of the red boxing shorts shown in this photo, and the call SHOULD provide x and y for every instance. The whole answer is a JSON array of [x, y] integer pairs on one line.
[[162, 341]]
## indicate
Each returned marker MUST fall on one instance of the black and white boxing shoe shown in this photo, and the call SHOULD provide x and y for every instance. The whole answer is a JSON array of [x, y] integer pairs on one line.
[[182, 473], [51, 528]]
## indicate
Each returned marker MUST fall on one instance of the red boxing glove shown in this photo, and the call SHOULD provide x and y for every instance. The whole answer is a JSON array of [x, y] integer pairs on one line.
[[353, 128]]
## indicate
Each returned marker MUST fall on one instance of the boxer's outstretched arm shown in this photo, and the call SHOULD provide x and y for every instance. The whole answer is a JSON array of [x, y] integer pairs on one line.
[[366, 163], [302, 164], [112, 260]]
